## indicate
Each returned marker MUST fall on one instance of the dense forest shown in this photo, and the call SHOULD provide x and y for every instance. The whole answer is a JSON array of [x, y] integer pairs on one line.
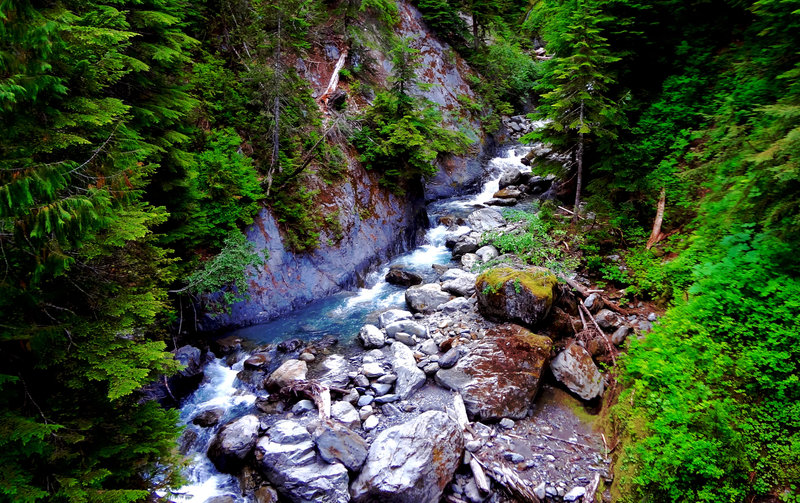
[[139, 138]]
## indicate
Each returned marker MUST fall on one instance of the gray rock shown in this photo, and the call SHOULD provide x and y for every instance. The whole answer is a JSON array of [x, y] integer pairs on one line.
[[454, 273], [371, 336], [401, 277], [511, 176], [289, 372], [346, 414], [522, 296], [392, 315], [514, 457], [539, 491], [382, 400], [233, 443], [387, 379], [371, 423], [469, 260], [575, 368], [607, 319], [227, 498], [465, 244], [411, 462], [619, 335], [372, 370], [431, 368], [190, 358], [409, 377], [365, 400], [487, 253], [406, 326], [507, 423], [485, 219], [463, 286], [429, 347], [302, 407], [336, 371], [450, 358], [652, 317], [575, 493], [365, 412], [208, 418], [426, 298], [337, 444], [407, 339], [381, 389], [287, 459], [362, 380], [457, 304], [473, 445], [593, 302]]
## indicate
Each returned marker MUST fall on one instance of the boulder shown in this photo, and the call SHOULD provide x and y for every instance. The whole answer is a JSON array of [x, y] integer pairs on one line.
[[512, 176], [469, 260], [336, 369], [337, 444], [393, 315], [575, 368], [426, 298], [465, 244], [208, 418], [508, 193], [286, 458], [607, 318], [499, 375], [289, 372], [233, 443], [191, 359], [619, 335], [406, 326], [411, 462], [257, 361], [402, 277], [522, 296], [409, 377], [371, 336], [487, 253], [463, 285], [485, 219]]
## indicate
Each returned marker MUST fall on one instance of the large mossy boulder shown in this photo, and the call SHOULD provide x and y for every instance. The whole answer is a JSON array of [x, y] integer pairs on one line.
[[519, 295]]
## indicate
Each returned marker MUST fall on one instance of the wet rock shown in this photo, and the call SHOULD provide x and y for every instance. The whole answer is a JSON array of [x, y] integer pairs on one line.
[[619, 335], [406, 326], [402, 277], [461, 283], [257, 361], [345, 413], [265, 494], [392, 315], [208, 418], [290, 346], [371, 336], [307, 357], [286, 457], [411, 462], [487, 253], [221, 499], [607, 319], [191, 358], [426, 298], [499, 375], [233, 443], [523, 296], [507, 193], [575, 368], [485, 219], [289, 372], [187, 440], [409, 377], [512, 176], [337, 444]]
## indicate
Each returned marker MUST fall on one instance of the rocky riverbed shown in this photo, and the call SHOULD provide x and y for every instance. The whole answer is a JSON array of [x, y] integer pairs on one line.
[[476, 391]]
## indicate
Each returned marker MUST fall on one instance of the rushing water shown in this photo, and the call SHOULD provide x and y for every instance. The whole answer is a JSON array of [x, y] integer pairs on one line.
[[341, 315]]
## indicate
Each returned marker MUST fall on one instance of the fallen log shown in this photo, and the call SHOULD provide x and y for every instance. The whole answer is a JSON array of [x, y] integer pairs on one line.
[[585, 292]]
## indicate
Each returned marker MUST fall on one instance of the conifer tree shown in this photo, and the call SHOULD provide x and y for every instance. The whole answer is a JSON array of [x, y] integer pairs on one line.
[[577, 105]]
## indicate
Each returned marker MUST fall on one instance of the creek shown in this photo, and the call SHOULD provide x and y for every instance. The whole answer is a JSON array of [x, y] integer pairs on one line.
[[340, 316]]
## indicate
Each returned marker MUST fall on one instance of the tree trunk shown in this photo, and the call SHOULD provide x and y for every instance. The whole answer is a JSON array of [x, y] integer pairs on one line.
[[276, 112], [655, 236], [475, 44], [579, 183]]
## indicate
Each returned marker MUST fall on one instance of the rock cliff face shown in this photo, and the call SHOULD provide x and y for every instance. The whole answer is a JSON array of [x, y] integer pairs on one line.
[[371, 223]]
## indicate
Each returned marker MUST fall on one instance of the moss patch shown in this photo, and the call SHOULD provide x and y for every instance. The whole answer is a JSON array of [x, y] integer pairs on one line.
[[537, 280]]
